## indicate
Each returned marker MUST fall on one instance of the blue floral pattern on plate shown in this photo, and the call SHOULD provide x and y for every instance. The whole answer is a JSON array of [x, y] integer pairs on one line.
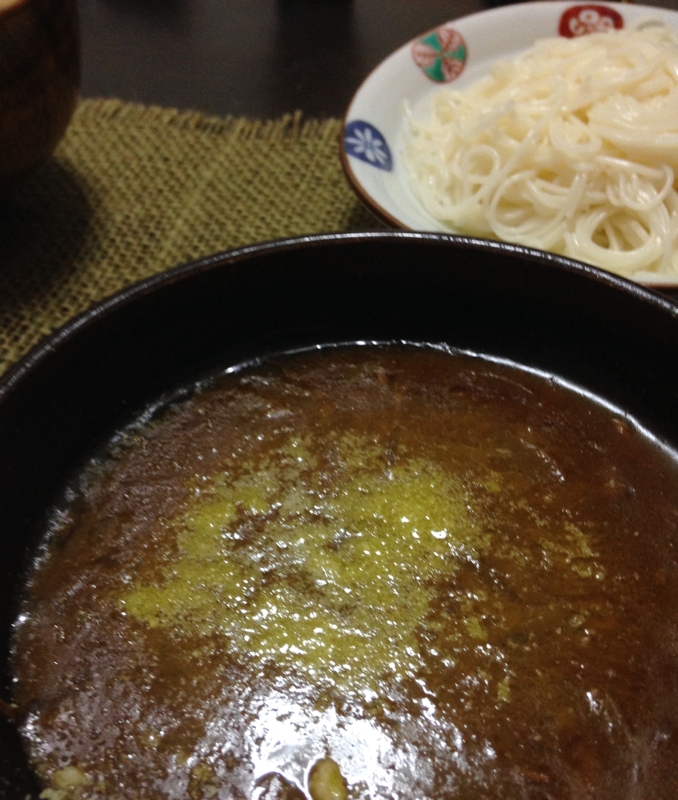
[[364, 141]]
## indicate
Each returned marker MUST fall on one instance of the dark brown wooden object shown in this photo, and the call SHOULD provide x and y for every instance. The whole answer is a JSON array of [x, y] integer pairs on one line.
[[39, 81]]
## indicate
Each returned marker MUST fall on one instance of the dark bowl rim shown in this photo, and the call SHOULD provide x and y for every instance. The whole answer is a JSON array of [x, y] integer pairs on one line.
[[41, 351]]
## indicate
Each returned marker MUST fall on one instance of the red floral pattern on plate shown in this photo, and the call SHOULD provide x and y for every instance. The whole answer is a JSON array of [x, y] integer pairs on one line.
[[579, 20], [441, 54]]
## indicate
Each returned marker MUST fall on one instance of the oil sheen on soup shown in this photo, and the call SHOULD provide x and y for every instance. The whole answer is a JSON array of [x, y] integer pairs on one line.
[[371, 572]]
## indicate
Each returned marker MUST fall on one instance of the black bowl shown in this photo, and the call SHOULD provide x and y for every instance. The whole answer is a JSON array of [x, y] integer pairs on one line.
[[602, 333]]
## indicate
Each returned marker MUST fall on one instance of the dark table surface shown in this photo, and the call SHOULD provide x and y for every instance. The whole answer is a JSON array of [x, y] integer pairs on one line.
[[253, 58]]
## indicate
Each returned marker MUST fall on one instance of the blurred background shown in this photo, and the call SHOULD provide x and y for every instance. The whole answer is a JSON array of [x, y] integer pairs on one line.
[[256, 58]]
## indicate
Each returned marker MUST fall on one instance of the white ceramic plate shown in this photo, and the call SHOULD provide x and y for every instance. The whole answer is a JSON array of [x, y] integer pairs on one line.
[[460, 51]]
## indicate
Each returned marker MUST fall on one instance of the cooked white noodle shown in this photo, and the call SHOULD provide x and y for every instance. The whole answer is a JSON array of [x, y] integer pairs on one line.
[[573, 147]]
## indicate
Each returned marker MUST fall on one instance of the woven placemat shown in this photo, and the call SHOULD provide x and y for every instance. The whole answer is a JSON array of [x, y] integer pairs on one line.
[[134, 190]]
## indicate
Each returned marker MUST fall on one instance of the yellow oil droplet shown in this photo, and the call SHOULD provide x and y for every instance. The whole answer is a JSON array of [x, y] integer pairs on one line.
[[474, 628], [504, 689]]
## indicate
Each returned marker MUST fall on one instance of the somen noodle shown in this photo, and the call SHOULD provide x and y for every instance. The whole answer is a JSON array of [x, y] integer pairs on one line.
[[572, 147]]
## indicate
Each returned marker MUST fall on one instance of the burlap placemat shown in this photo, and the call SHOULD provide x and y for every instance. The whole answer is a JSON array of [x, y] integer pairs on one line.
[[134, 190]]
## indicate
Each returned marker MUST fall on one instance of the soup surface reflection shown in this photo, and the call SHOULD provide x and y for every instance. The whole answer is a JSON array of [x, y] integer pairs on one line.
[[427, 574]]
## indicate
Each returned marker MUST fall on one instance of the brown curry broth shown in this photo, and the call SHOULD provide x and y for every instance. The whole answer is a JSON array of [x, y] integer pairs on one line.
[[542, 642]]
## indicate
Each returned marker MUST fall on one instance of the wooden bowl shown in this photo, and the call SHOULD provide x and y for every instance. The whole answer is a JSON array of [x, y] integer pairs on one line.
[[39, 80]]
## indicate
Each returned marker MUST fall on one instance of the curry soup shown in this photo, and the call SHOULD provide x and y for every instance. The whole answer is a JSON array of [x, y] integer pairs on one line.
[[424, 574]]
